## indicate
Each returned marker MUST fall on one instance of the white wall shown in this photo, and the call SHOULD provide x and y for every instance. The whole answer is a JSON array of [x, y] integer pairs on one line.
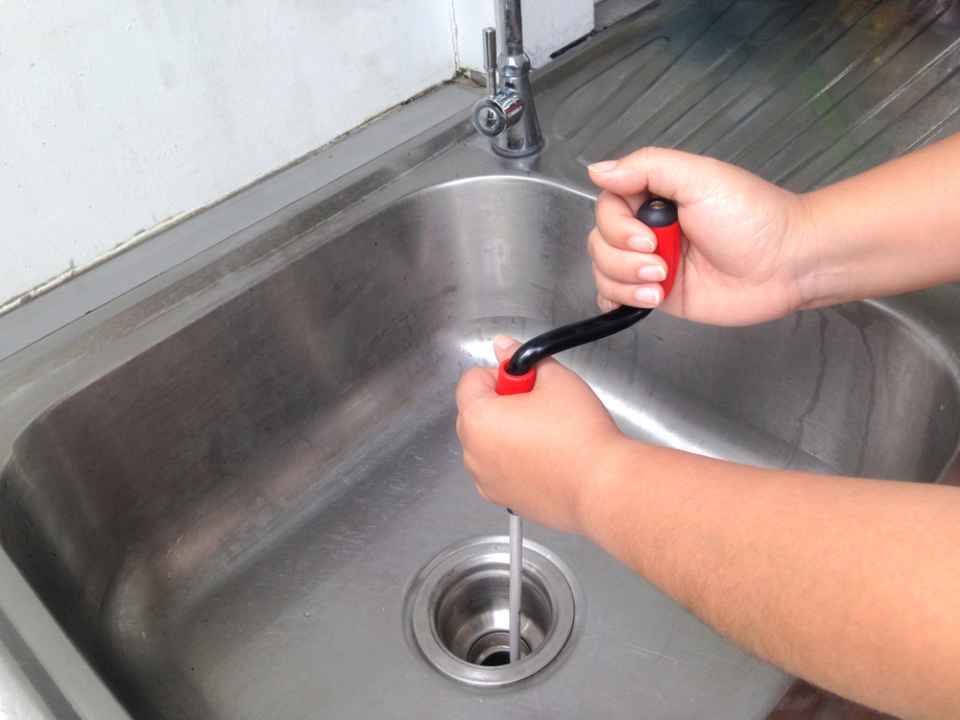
[[548, 25], [117, 115]]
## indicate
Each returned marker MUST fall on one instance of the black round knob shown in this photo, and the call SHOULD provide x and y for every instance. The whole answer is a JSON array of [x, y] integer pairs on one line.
[[657, 212]]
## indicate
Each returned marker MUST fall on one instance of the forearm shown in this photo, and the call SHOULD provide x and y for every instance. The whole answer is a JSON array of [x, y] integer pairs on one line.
[[849, 583], [892, 229]]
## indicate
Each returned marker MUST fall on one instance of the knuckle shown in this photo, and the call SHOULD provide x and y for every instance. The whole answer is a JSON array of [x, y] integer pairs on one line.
[[605, 206], [601, 254], [598, 278], [607, 288], [648, 152], [617, 266], [616, 292], [593, 240], [603, 280], [651, 157], [639, 156]]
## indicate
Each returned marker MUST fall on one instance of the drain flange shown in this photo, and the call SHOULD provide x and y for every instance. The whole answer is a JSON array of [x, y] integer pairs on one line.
[[458, 611]]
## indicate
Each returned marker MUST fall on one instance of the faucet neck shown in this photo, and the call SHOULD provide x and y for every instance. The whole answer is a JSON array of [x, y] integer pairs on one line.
[[511, 24]]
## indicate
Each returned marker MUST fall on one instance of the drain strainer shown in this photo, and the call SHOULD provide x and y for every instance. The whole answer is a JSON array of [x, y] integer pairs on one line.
[[458, 611]]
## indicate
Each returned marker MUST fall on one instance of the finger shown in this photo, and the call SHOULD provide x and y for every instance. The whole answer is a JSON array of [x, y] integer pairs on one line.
[[642, 295], [604, 304], [618, 226], [623, 265], [504, 347], [664, 172], [476, 384]]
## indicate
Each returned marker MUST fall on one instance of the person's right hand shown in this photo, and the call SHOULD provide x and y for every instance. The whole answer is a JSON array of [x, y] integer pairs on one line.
[[746, 242]]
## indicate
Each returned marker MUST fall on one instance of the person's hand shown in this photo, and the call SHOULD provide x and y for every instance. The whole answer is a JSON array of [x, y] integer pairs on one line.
[[535, 453], [745, 240]]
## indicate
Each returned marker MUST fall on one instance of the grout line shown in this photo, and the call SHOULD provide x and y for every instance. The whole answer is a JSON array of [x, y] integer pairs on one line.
[[73, 270], [455, 38]]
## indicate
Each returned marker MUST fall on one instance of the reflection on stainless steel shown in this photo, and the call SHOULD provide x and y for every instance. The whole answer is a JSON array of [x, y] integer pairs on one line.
[[224, 485]]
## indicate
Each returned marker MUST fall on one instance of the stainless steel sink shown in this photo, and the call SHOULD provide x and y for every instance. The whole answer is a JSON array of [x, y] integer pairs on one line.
[[224, 485]]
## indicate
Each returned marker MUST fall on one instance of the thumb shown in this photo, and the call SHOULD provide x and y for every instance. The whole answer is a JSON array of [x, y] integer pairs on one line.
[[504, 347], [671, 174]]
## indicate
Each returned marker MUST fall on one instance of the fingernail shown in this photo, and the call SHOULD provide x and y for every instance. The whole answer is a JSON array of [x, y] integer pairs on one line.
[[604, 166], [643, 243], [652, 273], [502, 342], [647, 297]]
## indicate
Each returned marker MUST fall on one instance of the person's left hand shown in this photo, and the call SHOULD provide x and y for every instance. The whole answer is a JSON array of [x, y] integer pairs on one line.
[[535, 453]]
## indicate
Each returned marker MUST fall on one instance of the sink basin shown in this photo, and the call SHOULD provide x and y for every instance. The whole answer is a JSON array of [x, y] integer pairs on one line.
[[226, 524], [227, 485]]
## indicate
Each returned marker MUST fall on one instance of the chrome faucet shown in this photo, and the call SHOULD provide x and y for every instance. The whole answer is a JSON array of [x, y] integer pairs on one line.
[[508, 115]]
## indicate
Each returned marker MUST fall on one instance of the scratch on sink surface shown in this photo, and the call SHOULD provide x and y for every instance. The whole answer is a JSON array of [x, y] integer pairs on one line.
[[650, 653], [737, 661]]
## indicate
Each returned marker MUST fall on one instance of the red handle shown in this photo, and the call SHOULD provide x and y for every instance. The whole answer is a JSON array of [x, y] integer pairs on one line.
[[508, 384], [661, 217]]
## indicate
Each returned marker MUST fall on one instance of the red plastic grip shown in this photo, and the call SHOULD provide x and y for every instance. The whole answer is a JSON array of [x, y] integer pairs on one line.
[[508, 384], [668, 247]]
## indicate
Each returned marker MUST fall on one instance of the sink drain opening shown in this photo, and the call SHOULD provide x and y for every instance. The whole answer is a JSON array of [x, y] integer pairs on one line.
[[459, 611], [472, 609], [493, 649]]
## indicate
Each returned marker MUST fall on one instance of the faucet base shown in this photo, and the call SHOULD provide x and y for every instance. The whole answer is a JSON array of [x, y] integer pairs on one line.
[[514, 153]]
